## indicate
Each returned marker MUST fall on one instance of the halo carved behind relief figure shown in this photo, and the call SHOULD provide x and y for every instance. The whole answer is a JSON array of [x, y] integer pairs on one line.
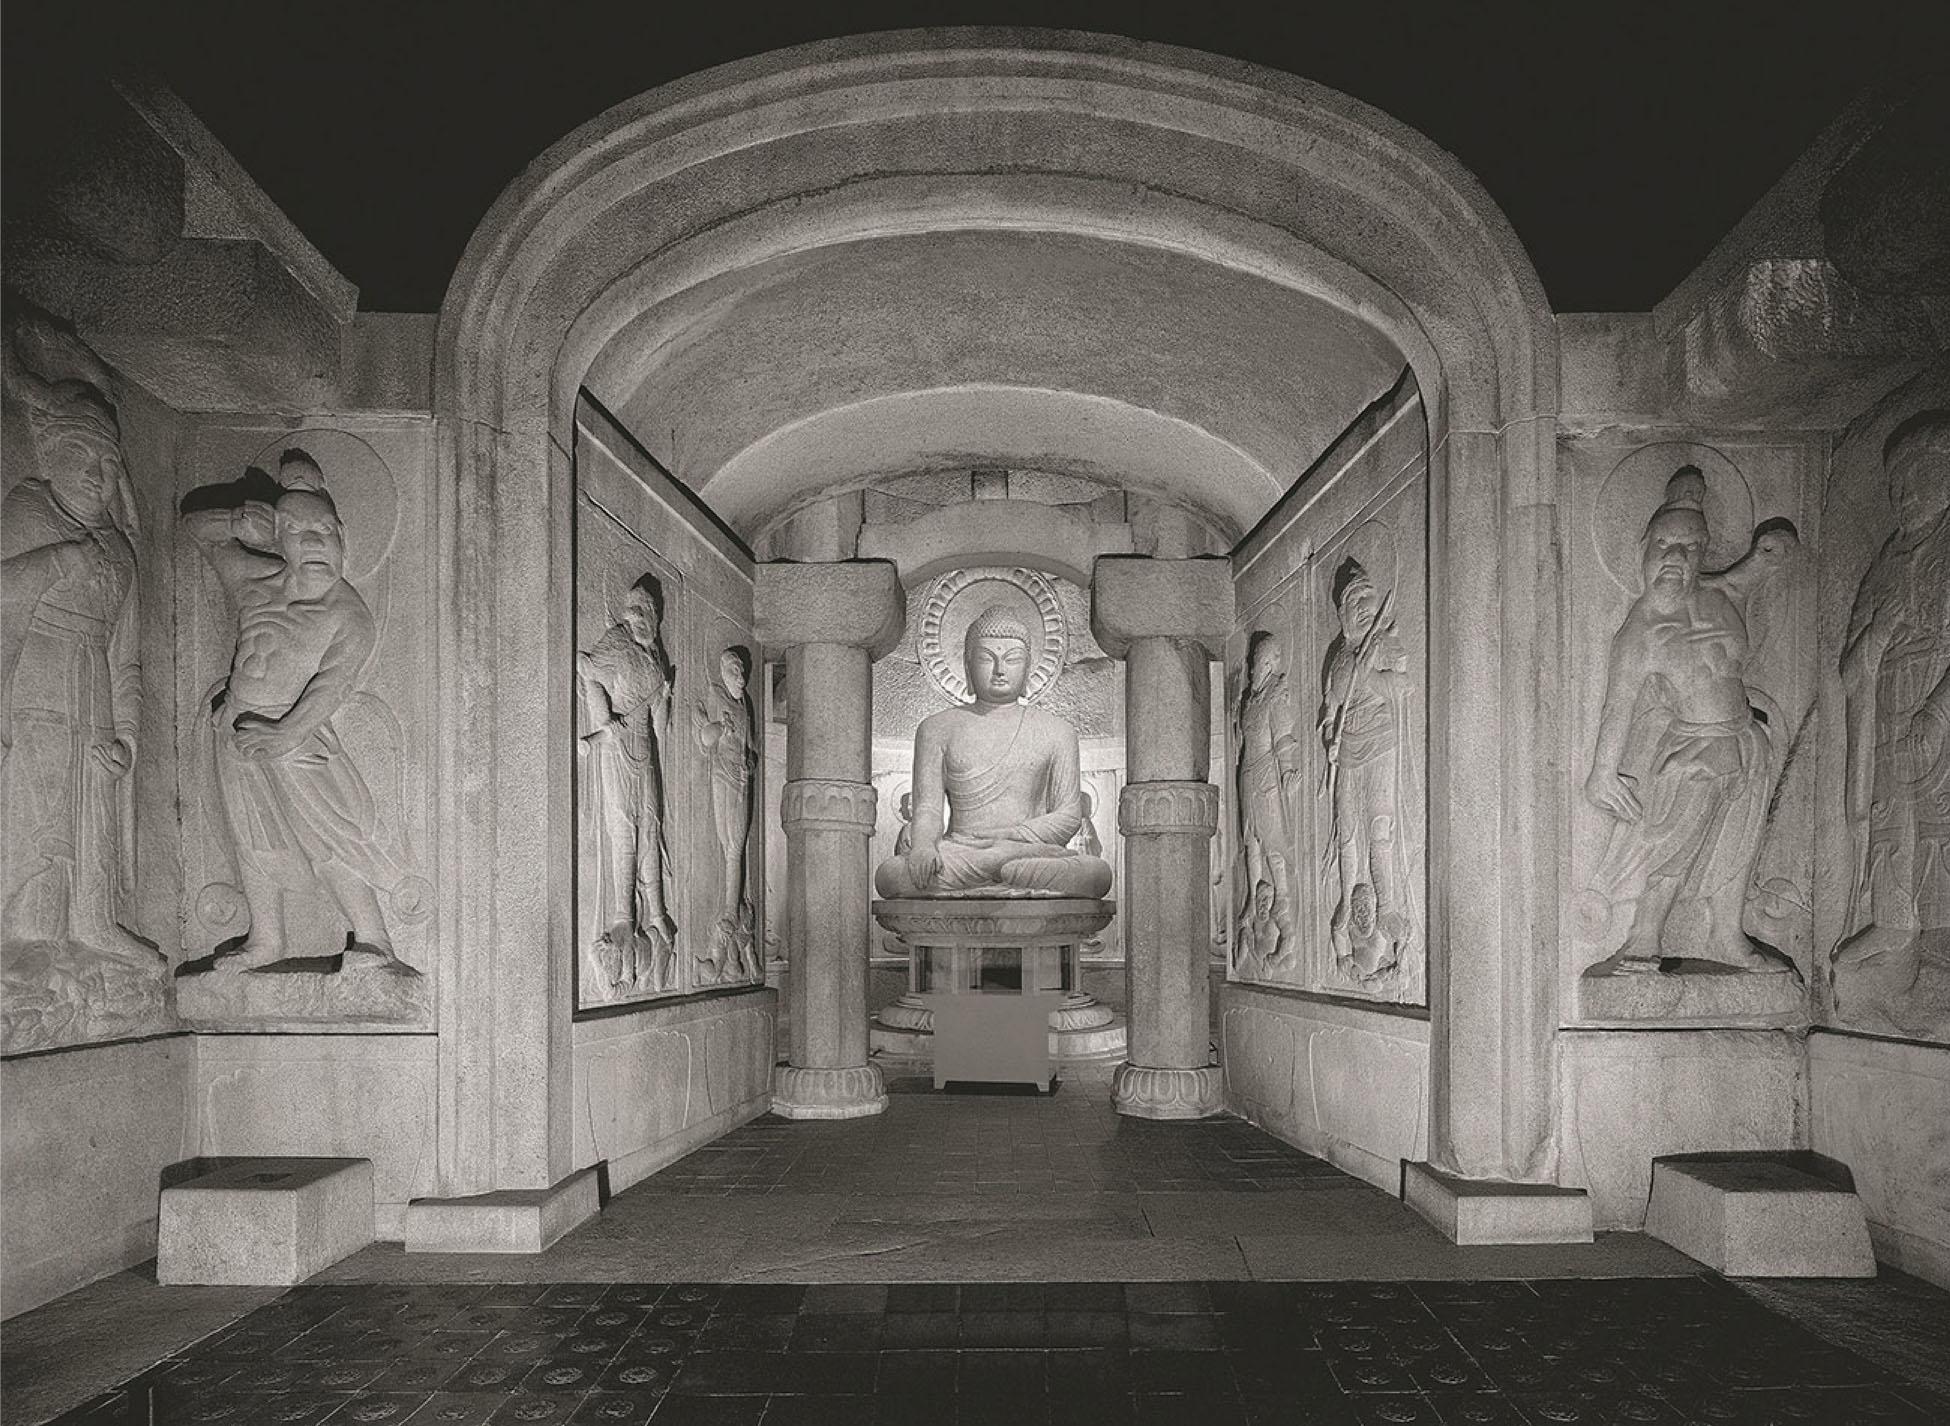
[[954, 601], [1636, 485], [361, 485]]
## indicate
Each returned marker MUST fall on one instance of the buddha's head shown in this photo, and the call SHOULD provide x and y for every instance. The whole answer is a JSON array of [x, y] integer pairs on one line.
[[1674, 548], [307, 529], [80, 449], [995, 657], [1917, 457]]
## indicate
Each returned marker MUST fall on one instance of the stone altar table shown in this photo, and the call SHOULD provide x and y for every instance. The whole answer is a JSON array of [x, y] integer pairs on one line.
[[960, 944]]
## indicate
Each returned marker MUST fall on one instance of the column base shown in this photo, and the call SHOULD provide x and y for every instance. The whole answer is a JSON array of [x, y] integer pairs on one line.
[[850, 1093], [1470, 1211], [509, 1220], [1147, 1093]]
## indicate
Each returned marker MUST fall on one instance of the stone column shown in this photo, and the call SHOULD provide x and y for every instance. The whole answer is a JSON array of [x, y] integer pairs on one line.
[[831, 621], [1168, 620]]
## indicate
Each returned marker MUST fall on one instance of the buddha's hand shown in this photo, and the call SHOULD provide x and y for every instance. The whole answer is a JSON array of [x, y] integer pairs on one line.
[[924, 865]]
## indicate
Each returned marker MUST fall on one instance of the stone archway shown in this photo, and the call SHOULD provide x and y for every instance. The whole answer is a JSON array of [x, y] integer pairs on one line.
[[1228, 164]]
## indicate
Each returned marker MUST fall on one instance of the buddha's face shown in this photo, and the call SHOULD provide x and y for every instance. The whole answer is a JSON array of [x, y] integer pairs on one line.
[[998, 670], [1675, 546], [731, 669], [309, 535], [82, 469], [907, 807]]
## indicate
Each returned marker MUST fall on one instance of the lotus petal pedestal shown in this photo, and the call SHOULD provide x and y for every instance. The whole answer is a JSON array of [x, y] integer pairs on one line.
[[969, 944]]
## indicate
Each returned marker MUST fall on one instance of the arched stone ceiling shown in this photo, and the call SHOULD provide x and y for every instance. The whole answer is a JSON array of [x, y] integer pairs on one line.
[[1142, 366]]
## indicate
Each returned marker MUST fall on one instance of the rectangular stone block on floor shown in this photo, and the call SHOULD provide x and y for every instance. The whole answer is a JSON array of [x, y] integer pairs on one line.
[[1474, 1211], [1772, 1215], [508, 1220], [264, 1222]]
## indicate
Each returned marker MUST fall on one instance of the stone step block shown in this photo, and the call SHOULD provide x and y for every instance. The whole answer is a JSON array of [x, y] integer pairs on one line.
[[1761, 1214], [267, 1222], [1481, 1212]]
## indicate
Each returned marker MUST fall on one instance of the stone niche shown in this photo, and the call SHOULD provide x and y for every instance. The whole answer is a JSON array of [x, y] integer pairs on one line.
[[259, 833], [1690, 895], [1327, 690], [669, 740]]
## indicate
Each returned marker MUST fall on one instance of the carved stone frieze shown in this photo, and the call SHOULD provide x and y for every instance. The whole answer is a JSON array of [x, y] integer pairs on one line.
[[69, 730], [300, 814], [1375, 796], [1688, 749], [1891, 969]]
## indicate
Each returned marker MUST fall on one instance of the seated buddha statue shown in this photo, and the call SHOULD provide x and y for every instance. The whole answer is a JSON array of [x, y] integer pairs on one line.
[[997, 798]]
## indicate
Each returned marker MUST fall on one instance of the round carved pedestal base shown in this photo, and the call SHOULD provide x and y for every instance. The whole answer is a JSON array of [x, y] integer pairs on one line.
[[1146, 1093], [850, 1093]]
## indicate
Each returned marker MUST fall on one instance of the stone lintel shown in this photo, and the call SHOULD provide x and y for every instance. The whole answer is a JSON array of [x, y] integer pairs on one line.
[[857, 603], [509, 1220], [1477, 1212], [1761, 1214], [1132, 597]]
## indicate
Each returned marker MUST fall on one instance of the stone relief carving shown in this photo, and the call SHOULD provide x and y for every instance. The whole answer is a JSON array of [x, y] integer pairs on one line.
[[1268, 782], [623, 683], [298, 810], [997, 791], [1892, 968], [721, 722], [1688, 748], [1374, 783], [68, 742], [904, 838]]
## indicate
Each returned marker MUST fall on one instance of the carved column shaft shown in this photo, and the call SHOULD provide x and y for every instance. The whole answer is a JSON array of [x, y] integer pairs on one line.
[[1167, 619], [828, 811], [1168, 813], [831, 620]]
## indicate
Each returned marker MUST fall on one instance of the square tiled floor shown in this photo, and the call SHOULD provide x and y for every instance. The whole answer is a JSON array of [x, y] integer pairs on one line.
[[937, 1354]]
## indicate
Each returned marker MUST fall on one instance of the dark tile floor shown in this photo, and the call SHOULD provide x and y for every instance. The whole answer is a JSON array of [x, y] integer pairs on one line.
[[1690, 1349], [994, 1143]]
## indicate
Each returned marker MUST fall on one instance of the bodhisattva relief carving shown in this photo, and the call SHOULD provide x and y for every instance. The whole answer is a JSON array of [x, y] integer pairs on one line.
[[996, 786], [1892, 970], [298, 810], [624, 685], [1686, 753], [1374, 783], [68, 742], [721, 722], [1268, 783]]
